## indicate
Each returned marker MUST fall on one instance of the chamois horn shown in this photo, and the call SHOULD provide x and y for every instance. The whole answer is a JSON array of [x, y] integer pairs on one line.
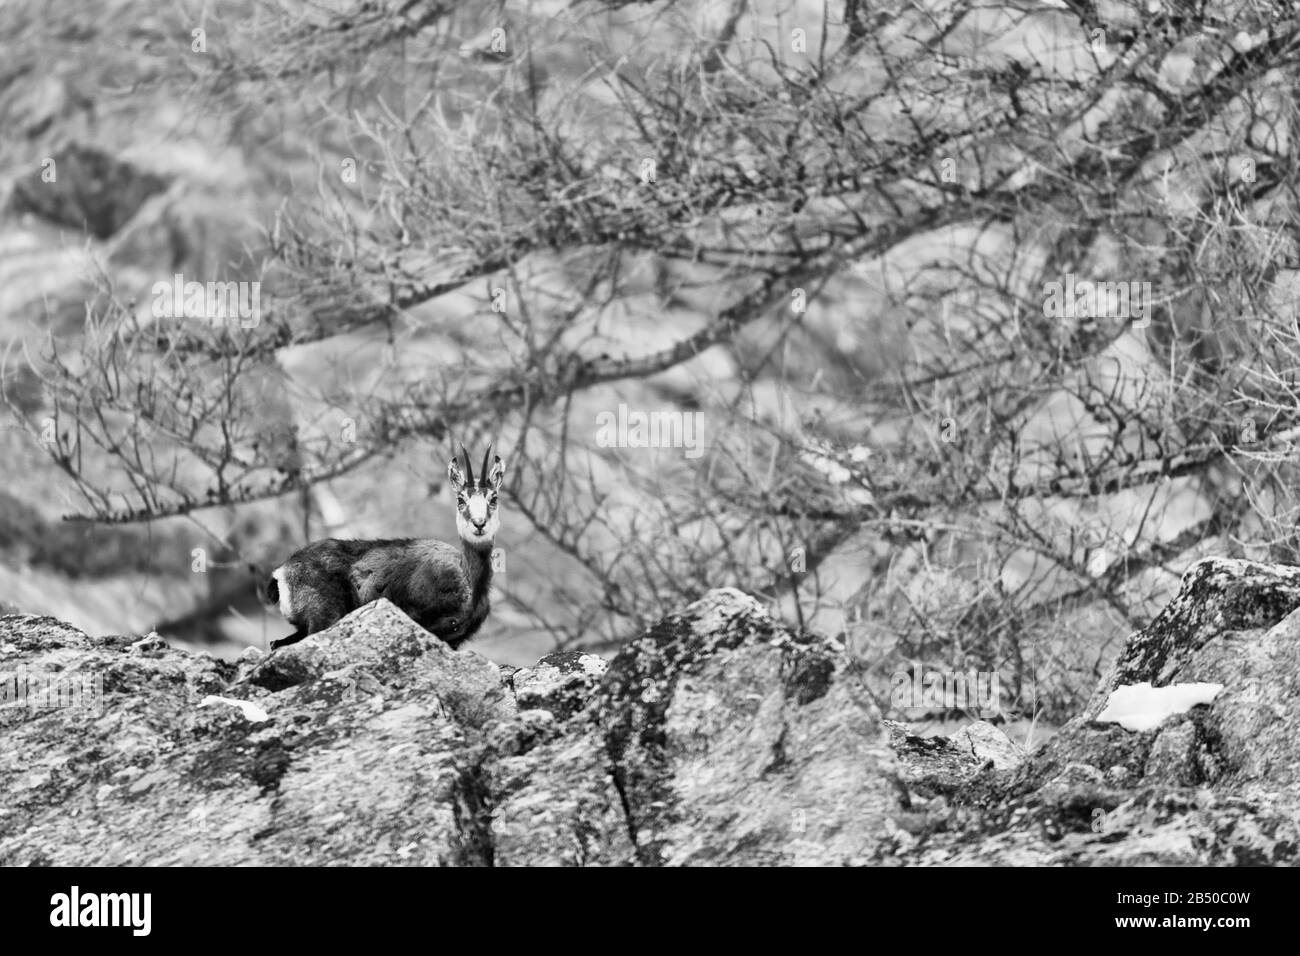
[[468, 467]]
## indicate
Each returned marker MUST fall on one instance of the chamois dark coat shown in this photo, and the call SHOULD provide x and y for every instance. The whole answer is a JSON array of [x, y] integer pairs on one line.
[[443, 588]]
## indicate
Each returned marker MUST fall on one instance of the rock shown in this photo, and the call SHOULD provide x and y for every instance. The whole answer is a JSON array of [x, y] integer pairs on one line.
[[734, 741], [717, 737], [151, 645], [559, 683], [90, 191], [200, 229], [986, 743], [557, 804], [32, 101], [1216, 785]]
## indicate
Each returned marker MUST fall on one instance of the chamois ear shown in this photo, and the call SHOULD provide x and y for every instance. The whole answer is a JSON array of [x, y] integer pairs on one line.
[[455, 474], [497, 473]]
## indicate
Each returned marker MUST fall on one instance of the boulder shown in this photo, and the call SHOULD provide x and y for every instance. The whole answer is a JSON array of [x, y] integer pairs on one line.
[[1215, 785], [89, 190], [717, 737]]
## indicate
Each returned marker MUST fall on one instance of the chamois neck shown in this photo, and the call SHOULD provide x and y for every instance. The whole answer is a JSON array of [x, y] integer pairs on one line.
[[477, 559]]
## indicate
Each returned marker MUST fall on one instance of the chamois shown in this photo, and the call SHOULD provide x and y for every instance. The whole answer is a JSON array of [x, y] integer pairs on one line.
[[442, 588]]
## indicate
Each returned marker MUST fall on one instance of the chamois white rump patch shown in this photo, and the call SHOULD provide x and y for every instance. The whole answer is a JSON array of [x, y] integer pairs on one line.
[[286, 606]]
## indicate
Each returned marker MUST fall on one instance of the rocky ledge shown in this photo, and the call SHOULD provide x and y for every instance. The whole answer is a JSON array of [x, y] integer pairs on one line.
[[717, 737]]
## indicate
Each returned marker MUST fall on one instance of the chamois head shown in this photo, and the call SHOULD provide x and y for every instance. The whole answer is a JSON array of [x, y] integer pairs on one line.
[[476, 501]]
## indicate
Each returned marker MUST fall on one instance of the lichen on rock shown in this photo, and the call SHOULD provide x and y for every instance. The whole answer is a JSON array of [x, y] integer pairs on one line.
[[719, 736]]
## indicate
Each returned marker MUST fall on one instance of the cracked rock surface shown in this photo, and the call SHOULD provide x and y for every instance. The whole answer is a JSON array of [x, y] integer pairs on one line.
[[717, 737]]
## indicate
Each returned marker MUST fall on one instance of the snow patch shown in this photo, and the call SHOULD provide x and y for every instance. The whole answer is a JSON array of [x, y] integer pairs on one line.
[[1143, 707], [250, 710]]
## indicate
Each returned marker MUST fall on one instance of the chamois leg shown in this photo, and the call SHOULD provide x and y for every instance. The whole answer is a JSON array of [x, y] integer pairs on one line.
[[317, 609], [293, 638]]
